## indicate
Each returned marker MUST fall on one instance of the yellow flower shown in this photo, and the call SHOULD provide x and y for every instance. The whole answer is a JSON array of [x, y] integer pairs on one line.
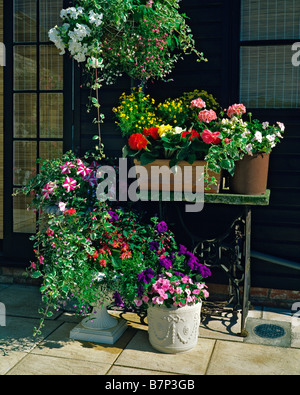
[[163, 129]]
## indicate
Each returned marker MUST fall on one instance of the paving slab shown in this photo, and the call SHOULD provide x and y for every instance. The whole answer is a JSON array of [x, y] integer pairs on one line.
[[140, 354], [16, 340], [125, 371], [34, 364], [231, 358], [58, 344]]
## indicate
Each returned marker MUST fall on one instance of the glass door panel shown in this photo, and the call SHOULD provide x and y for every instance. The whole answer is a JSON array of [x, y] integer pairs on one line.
[[25, 20], [51, 68], [24, 220], [37, 98], [25, 67], [24, 161], [25, 115], [51, 115]]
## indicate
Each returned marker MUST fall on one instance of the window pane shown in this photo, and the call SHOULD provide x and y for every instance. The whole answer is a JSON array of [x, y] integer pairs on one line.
[[24, 221], [25, 115], [268, 79], [51, 68], [51, 115], [49, 16], [50, 149], [24, 20], [25, 67], [24, 161], [270, 19]]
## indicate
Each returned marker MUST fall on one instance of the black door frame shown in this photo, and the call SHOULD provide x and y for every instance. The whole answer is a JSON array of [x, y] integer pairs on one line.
[[16, 246]]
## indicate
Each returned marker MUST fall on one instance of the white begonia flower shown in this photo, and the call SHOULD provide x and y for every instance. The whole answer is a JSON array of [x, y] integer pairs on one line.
[[177, 130], [258, 136], [265, 125]]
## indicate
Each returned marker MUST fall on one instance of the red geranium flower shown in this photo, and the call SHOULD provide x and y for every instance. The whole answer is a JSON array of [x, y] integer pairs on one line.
[[137, 141], [153, 132], [192, 133]]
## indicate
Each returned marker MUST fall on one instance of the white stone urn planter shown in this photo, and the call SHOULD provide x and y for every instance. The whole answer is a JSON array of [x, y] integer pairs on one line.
[[99, 327], [174, 329]]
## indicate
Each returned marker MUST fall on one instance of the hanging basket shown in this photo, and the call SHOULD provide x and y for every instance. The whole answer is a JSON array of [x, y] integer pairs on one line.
[[167, 181], [251, 175], [175, 329]]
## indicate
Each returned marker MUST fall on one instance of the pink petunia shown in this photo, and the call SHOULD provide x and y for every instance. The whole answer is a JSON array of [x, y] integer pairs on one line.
[[66, 168], [83, 170], [91, 178], [49, 189], [138, 302], [69, 184]]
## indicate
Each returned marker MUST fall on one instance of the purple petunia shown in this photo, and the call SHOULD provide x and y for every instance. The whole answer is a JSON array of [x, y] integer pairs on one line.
[[118, 300], [140, 291], [154, 246], [113, 216], [182, 250], [166, 263], [146, 275], [192, 261], [204, 271], [162, 227]]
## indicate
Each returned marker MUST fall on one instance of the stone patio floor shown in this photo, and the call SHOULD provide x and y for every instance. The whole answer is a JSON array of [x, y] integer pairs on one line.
[[220, 351]]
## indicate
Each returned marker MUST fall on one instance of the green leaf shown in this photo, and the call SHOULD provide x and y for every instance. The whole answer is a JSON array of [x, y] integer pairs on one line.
[[147, 158], [36, 274]]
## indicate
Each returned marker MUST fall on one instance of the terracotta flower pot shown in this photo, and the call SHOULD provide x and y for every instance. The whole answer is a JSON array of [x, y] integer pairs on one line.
[[167, 182], [251, 175]]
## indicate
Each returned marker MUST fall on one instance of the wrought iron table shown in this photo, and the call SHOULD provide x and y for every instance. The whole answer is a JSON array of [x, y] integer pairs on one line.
[[230, 251]]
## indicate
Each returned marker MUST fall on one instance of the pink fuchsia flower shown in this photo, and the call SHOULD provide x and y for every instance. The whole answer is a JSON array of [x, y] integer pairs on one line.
[[66, 168], [69, 184], [49, 189], [198, 103], [207, 116], [41, 259], [236, 109], [33, 265], [50, 232]]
